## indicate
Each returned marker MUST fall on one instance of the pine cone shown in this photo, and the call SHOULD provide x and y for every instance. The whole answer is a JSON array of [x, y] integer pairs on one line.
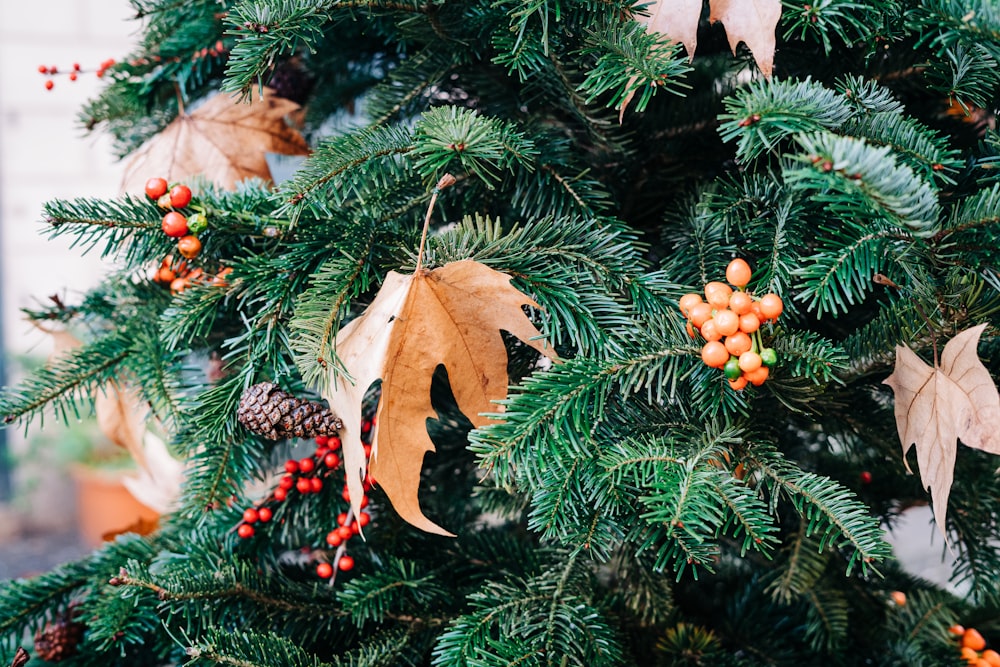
[[59, 639], [268, 411]]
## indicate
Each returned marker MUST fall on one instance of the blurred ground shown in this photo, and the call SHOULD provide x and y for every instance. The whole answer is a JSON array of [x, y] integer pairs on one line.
[[27, 554]]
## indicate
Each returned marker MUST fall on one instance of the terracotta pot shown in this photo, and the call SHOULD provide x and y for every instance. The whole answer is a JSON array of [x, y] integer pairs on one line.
[[104, 506]]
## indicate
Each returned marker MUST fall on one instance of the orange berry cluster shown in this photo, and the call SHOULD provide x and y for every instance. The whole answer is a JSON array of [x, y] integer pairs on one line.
[[973, 647], [729, 320], [179, 276], [304, 477], [185, 228]]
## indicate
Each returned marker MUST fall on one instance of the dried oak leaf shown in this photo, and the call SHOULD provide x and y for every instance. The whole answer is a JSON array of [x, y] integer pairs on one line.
[[453, 316], [223, 140], [937, 406]]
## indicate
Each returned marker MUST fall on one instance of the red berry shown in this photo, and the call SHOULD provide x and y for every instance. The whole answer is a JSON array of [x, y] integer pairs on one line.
[[49, 85], [866, 477], [344, 532], [264, 514], [291, 466], [364, 502], [174, 224], [53, 70], [355, 528], [333, 539], [251, 515], [345, 563], [364, 518], [303, 485], [280, 494], [315, 484], [76, 67], [72, 76], [342, 519], [346, 495], [324, 570], [42, 69], [334, 442], [245, 530], [287, 482], [307, 464], [368, 450], [366, 425], [322, 441], [180, 196], [331, 460]]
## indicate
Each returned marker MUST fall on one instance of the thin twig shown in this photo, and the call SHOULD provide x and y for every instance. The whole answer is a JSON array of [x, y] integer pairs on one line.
[[883, 279]]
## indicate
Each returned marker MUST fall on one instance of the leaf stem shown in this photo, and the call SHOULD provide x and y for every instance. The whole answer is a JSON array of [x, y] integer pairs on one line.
[[446, 181], [882, 279]]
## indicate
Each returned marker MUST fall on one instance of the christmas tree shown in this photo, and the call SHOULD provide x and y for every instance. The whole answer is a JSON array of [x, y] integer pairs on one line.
[[708, 237]]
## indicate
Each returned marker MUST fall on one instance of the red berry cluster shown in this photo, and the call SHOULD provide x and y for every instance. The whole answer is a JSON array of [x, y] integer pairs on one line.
[[185, 228], [179, 276], [50, 71], [307, 476], [729, 321]]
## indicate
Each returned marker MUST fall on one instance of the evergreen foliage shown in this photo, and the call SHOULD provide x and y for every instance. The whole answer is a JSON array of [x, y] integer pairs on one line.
[[628, 508]]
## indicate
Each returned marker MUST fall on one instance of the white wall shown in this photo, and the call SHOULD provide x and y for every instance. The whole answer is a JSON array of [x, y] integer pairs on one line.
[[44, 154]]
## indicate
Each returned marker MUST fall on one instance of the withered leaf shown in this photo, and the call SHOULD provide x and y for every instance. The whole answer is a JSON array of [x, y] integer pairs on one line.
[[752, 22], [223, 140], [937, 407], [453, 316]]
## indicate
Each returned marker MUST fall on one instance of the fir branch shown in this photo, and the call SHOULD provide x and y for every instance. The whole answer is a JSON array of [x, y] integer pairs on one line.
[[858, 180], [73, 377]]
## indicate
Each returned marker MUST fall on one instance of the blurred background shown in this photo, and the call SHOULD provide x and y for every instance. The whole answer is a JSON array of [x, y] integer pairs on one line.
[[45, 154]]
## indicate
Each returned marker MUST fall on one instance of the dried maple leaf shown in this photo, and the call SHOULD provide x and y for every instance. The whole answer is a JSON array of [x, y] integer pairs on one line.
[[752, 22], [937, 406], [223, 140], [453, 316]]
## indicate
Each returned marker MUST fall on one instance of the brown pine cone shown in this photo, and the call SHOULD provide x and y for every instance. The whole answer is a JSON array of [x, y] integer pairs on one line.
[[59, 639], [269, 411]]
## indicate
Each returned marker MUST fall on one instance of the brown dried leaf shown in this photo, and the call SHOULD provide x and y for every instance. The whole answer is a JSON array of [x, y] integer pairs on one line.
[[223, 140], [121, 416], [141, 526], [453, 316], [752, 22], [936, 407]]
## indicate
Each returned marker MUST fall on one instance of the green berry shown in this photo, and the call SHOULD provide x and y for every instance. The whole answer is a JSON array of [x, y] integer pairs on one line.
[[768, 356], [197, 223], [732, 368]]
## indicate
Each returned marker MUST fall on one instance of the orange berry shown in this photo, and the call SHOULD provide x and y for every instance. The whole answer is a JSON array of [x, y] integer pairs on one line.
[[972, 639], [898, 597], [178, 285], [757, 376], [738, 343], [165, 275], [969, 655], [749, 323], [710, 330], [687, 301], [982, 663], [714, 354], [957, 629], [738, 383], [738, 272], [991, 657], [700, 313], [771, 306], [727, 322], [688, 327], [189, 246], [740, 303], [718, 294], [750, 361]]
